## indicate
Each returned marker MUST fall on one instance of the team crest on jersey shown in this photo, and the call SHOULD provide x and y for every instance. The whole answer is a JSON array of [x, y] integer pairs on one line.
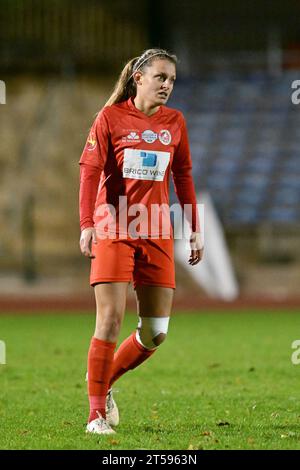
[[91, 141], [165, 137], [149, 136], [133, 136]]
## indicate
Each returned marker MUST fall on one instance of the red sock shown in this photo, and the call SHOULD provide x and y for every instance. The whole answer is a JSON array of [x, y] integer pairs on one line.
[[129, 355], [100, 360]]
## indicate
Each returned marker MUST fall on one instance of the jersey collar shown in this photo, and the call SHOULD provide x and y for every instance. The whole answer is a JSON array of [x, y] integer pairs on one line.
[[140, 113]]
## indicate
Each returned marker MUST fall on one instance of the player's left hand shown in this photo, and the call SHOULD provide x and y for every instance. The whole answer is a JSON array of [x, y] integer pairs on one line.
[[197, 248]]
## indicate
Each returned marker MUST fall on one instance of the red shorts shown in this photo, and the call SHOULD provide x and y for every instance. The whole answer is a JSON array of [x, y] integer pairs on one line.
[[143, 261]]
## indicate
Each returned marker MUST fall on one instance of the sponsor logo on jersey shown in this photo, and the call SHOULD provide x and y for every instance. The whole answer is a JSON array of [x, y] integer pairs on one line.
[[149, 136], [145, 165], [92, 141], [149, 159], [165, 137], [132, 137]]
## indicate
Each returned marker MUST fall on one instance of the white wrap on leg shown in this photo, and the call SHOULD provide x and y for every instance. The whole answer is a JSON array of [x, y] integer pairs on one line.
[[149, 328]]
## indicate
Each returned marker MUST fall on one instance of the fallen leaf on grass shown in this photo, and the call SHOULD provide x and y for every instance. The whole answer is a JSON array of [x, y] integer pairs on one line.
[[206, 433], [289, 434], [154, 416], [114, 442]]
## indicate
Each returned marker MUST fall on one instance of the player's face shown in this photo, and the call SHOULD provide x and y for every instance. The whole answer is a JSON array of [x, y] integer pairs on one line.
[[156, 82]]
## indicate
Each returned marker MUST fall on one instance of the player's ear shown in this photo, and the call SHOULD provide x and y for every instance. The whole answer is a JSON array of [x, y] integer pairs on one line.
[[138, 78]]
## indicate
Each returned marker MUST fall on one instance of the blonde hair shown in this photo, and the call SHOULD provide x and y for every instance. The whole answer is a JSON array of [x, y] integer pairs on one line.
[[125, 86]]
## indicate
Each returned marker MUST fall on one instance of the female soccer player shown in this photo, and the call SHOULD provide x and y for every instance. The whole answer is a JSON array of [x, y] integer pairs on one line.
[[134, 145]]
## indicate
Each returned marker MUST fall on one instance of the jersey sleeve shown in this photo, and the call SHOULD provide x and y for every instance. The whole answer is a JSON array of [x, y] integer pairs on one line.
[[96, 147], [92, 162], [89, 182], [183, 180]]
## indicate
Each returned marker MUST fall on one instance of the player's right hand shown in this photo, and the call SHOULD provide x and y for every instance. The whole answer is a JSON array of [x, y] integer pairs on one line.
[[87, 236]]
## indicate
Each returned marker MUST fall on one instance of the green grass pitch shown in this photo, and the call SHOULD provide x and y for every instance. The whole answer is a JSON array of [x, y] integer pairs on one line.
[[220, 381]]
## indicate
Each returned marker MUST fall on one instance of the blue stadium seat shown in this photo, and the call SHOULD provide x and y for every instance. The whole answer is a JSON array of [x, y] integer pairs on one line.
[[245, 138]]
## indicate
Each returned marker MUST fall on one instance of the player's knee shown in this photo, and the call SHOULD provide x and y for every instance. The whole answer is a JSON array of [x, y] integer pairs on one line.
[[109, 323], [152, 331], [159, 339]]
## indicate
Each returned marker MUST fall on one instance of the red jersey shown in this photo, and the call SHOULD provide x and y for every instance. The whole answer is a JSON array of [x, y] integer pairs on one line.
[[130, 156]]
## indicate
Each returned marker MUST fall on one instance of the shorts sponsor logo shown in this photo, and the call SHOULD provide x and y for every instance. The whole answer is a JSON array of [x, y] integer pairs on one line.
[[149, 136], [92, 141], [165, 137], [144, 165], [133, 136]]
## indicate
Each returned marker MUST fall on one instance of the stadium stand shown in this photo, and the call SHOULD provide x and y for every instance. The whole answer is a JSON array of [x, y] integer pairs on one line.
[[245, 135]]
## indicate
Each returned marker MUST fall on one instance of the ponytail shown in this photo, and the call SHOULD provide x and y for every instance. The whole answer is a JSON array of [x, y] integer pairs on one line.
[[125, 86]]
